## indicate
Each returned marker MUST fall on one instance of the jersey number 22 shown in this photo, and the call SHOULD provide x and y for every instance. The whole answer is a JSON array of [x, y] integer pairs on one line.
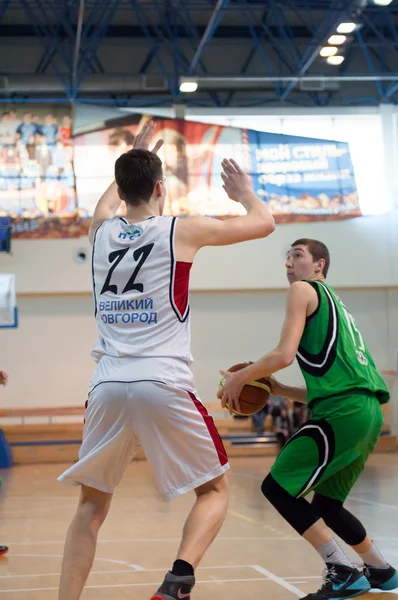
[[140, 255]]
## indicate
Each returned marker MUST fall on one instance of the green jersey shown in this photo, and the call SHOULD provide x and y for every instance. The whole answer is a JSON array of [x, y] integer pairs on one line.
[[332, 355]]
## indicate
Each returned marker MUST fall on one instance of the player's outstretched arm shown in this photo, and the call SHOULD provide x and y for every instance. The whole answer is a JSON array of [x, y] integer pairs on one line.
[[257, 223], [110, 201], [298, 299]]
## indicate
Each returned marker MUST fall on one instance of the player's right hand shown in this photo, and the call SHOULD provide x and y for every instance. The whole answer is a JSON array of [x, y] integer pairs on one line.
[[3, 378], [237, 183], [275, 385], [144, 137]]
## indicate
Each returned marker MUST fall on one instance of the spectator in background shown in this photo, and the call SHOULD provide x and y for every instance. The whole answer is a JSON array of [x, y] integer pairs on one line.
[[67, 176], [3, 183], [300, 415], [69, 151], [6, 135], [14, 123], [259, 420], [66, 130], [49, 129], [27, 128], [43, 155], [59, 156], [21, 150], [281, 420], [31, 175], [278, 408]]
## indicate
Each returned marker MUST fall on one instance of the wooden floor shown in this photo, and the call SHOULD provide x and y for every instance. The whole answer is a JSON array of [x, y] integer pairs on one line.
[[255, 556]]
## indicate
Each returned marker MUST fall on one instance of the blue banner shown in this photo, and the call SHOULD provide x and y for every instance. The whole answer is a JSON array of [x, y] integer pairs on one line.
[[299, 175]]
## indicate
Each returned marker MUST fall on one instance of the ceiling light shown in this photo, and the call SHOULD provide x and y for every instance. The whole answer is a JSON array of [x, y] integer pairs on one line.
[[346, 27], [335, 60], [337, 40], [328, 51], [382, 2], [188, 86]]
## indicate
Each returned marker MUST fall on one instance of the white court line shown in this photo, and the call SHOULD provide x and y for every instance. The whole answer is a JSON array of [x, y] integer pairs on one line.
[[109, 560], [137, 569], [288, 586], [122, 585], [117, 571]]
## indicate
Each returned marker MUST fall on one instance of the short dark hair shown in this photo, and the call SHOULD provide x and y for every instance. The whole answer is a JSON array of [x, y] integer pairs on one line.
[[317, 250], [136, 174]]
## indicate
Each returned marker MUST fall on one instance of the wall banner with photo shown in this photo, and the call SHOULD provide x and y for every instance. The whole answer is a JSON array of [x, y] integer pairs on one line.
[[37, 182], [302, 179]]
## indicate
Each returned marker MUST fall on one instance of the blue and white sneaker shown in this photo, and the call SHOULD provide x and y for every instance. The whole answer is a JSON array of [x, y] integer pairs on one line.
[[382, 579], [341, 582]]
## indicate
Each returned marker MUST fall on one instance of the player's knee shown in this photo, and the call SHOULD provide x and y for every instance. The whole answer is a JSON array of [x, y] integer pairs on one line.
[[218, 486], [296, 511], [94, 506], [325, 506], [269, 488]]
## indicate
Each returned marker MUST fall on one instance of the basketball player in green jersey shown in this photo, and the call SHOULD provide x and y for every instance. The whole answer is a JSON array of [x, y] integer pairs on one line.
[[3, 381], [344, 392]]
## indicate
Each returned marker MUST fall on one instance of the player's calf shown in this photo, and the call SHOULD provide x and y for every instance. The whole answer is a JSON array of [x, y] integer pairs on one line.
[[200, 529]]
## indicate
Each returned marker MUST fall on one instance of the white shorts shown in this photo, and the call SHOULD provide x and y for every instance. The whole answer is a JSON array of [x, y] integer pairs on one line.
[[178, 436]]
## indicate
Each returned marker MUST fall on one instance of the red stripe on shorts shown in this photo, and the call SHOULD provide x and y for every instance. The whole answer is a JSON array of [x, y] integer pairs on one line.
[[215, 436]]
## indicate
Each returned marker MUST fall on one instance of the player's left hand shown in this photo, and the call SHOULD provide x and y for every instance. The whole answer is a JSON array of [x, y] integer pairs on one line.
[[3, 378], [144, 137], [231, 390]]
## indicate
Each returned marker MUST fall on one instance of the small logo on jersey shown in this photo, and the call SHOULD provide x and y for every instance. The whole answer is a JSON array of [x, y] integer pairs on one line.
[[131, 234], [362, 358]]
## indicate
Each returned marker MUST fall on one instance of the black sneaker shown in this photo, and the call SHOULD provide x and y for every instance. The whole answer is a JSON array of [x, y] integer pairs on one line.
[[175, 587], [3, 550], [382, 579], [340, 582]]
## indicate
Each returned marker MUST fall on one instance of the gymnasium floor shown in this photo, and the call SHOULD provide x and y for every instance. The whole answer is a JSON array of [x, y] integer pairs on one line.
[[255, 556]]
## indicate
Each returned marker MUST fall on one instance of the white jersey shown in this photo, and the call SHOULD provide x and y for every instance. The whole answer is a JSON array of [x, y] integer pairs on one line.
[[140, 291]]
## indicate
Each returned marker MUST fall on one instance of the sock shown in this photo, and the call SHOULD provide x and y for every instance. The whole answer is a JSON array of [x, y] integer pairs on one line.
[[181, 568], [332, 553], [373, 558]]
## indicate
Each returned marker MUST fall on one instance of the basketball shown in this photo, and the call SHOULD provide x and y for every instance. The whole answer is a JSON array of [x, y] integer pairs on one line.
[[254, 395]]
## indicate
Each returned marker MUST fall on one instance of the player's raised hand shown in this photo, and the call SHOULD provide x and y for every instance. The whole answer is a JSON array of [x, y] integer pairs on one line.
[[3, 378], [144, 138], [236, 182]]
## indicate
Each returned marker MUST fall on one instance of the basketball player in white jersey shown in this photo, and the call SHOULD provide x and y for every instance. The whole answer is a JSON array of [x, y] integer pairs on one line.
[[142, 391]]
